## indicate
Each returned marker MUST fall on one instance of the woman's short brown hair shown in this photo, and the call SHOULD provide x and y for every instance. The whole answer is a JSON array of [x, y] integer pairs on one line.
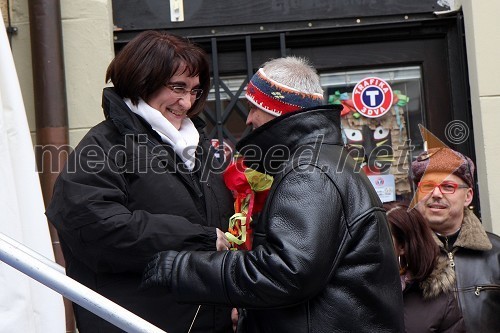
[[150, 59]]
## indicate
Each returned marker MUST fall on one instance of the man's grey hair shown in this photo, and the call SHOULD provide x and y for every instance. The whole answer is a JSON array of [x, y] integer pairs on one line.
[[294, 72]]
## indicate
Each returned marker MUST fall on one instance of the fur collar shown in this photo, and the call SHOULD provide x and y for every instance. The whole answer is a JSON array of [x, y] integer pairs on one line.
[[441, 280], [472, 236]]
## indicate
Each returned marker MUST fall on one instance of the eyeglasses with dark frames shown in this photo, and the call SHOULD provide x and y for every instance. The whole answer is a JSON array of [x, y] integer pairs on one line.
[[447, 187], [182, 91]]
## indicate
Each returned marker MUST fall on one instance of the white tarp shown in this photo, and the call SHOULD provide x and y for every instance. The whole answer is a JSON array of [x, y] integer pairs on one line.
[[25, 305]]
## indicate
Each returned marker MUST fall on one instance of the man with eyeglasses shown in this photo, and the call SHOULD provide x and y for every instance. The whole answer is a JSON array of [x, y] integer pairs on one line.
[[445, 181]]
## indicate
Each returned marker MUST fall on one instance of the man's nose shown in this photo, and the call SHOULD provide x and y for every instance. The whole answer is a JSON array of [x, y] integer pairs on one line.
[[249, 118], [436, 192], [249, 121]]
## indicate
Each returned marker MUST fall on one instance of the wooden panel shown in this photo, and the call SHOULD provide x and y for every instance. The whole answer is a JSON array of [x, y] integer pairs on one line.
[[155, 14]]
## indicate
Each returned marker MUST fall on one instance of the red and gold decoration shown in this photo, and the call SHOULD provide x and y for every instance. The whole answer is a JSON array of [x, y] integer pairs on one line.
[[250, 189]]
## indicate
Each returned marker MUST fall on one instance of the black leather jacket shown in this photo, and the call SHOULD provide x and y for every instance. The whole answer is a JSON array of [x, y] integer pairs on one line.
[[322, 259], [476, 258]]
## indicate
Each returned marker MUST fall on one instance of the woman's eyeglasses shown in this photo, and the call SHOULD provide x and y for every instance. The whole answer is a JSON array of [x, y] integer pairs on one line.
[[446, 187], [182, 91]]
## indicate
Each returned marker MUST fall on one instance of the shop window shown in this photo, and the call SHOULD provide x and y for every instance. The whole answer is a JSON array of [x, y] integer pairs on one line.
[[383, 146]]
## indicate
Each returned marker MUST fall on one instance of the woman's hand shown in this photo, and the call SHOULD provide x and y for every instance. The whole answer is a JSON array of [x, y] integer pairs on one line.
[[222, 244]]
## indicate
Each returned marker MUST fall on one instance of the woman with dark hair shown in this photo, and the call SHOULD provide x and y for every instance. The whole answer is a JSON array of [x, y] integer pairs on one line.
[[428, 285], [142, 181]]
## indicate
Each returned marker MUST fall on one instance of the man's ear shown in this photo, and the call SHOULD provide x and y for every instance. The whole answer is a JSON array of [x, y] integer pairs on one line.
[[468, 197]]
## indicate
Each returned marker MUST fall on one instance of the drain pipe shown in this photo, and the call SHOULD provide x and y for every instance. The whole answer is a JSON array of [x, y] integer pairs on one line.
[[51, 112]]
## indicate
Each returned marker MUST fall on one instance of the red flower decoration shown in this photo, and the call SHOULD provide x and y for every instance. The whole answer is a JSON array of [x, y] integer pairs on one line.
[[250, 189]]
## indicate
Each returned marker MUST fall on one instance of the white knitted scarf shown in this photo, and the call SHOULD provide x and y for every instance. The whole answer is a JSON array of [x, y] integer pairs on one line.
[[184, 141]]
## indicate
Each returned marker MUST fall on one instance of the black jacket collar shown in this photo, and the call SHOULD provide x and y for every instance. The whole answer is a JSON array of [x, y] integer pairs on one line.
[[272, 143]]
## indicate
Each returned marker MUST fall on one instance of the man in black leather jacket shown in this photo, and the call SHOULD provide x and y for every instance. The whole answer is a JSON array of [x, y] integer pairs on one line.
[[322, 257], [445, 179]]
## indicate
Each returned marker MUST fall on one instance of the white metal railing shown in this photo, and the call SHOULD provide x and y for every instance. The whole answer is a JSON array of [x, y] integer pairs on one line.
[[53, 276]]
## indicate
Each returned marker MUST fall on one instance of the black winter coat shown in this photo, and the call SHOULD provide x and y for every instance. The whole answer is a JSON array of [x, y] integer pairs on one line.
[[125, 196], [432, 305], [322, 258], [438, 315]]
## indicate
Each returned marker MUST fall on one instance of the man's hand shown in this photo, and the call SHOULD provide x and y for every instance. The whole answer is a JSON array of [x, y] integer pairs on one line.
[[234, 318], [158, 271], [221, 243]]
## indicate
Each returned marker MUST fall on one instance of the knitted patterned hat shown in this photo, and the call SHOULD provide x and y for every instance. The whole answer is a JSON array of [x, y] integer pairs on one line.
[[276, 98], [443, 160]]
